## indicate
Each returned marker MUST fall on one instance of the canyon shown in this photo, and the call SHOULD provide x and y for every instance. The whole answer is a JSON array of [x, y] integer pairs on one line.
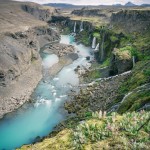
[[71, 64]]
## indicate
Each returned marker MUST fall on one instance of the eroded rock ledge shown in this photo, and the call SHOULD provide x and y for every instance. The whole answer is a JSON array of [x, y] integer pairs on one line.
[[20, 65]]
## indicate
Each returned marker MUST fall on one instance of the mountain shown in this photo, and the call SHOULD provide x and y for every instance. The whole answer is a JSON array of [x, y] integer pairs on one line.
[[146, 5], [117, 5], [129, 4]]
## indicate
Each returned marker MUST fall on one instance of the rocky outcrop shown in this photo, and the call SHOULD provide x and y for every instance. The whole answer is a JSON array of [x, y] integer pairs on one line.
[[120, 61], [89, 12], [43, 13], [19, 62], [134, 20], [67, 22]]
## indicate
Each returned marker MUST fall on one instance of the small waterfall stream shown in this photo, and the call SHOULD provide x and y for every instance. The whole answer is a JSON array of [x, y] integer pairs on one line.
[[81, 26], [75, 26], [94, 43], [97, 47], [136, 90], [133, 60]]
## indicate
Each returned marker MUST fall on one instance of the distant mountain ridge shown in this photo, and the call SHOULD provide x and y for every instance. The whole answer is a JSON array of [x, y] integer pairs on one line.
[[66, 5], [130, 4]]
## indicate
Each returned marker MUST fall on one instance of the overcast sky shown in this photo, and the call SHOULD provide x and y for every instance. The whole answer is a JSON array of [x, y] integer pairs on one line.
[[90, 2]]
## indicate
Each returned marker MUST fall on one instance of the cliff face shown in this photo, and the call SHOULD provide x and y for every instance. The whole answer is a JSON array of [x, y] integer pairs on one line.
[[89, 12], [21, 37], [134, 20], [40, 12]]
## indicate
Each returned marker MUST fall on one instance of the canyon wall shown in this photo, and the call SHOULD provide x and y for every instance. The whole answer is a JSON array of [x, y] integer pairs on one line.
[[21, 37], [134, 20], [43, 13]]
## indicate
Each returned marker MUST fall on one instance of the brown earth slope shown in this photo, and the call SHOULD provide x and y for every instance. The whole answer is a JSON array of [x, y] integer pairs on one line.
[[20, 41]]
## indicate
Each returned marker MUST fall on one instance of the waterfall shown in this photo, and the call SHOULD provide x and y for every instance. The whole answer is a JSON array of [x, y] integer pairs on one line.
[[94, 43], [97, 47], [81, 26], [75, 24], [133, 60], [102, 48]]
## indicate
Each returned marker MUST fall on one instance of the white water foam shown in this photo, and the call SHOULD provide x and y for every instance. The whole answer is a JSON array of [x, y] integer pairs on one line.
[[50, 60]]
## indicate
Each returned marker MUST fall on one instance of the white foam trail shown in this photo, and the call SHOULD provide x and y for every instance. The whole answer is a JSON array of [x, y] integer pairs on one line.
[[42, 102], [62, 96], [56, 79], [57, 99], [54, 94]]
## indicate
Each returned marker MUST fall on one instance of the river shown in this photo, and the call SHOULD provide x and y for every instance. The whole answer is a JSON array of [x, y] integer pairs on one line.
[[41, 116]]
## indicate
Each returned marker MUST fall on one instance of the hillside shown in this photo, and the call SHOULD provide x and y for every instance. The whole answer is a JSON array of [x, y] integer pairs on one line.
[[13, 18], [100, 132], [22, 34], [119, 82], [108, 108]]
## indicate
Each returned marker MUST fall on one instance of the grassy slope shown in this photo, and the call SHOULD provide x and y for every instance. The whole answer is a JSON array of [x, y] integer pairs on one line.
[[101, 132]]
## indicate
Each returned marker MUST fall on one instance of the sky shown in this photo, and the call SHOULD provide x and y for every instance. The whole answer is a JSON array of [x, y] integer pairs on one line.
[[90, 2]]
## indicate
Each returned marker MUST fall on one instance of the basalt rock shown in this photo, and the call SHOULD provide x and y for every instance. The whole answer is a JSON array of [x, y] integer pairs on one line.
[[134, 20]]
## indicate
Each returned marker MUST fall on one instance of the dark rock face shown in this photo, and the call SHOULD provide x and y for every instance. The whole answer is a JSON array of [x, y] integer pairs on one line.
[[66, 22], [89, 12], [119, 66], [132, 20], [41, 13]]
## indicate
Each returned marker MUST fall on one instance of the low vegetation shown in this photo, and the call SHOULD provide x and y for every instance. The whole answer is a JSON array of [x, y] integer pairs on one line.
[[101, 131]]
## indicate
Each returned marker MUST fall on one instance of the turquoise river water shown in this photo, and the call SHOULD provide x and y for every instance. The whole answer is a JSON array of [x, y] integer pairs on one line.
[[40, 117]]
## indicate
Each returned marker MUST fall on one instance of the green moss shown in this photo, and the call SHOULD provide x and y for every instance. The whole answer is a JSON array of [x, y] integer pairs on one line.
[[113, 38], [140, 75], [135, 101], [97, 35], [66, 30], [83, 37], [106, 63], [94, 74]]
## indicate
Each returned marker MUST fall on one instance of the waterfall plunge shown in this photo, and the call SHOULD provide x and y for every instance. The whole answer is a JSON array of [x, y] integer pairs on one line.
[[81, 26], [97, 47], [75, 25], [133, 60], [94, 43]]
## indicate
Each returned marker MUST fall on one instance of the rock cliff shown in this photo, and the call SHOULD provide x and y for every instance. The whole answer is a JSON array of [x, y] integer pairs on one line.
[[134, 20], [40, 12], [21, 37]]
